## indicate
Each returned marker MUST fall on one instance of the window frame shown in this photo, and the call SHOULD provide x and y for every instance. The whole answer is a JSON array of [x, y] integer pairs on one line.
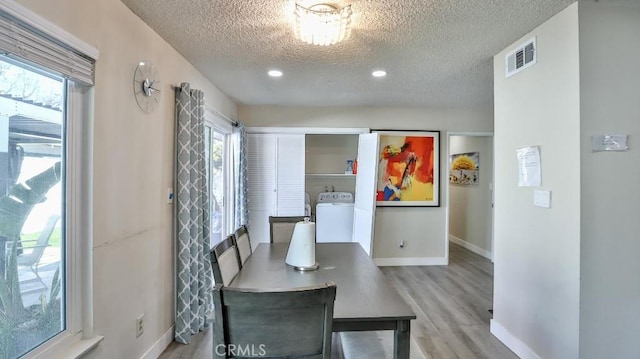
[[77, 224], [78, 337], [224, 127]]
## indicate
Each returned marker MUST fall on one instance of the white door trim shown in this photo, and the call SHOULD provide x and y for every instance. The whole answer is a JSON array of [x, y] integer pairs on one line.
[[310, 130]]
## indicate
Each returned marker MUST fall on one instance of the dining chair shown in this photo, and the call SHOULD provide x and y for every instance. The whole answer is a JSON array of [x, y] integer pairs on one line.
[[244, 244], [292, 323], [224, 261], [281, 228]]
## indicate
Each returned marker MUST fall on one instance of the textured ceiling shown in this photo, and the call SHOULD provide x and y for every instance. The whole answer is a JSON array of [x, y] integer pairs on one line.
[[436, 52]]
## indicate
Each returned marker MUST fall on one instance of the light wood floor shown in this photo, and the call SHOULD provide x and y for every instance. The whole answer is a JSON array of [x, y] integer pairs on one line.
[[451, 304]]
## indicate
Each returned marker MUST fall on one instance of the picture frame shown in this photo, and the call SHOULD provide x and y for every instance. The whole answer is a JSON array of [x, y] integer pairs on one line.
[[408, 169], [464, 168]]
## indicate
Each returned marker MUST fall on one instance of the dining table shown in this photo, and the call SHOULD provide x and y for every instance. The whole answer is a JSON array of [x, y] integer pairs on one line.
[[365, 298]]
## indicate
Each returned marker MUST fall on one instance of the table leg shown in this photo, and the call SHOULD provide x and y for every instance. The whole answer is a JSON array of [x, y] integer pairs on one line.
[[402, 339]]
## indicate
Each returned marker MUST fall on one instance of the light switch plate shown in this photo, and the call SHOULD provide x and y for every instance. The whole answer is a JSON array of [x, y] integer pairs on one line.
[[542, 198]]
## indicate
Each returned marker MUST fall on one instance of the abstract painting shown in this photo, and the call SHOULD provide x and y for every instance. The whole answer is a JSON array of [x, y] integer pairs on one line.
[[408, 168], [464, 168]]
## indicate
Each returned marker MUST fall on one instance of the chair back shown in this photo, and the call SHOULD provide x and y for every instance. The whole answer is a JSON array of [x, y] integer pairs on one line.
[[244, 244], [33, 258], [281, 228], [293, 323], [224, 261]]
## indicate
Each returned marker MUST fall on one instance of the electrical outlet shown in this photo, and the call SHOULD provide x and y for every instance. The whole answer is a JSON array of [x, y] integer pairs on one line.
[[139, 325]]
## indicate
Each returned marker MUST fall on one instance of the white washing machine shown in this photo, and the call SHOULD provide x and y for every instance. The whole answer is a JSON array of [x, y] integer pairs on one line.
[[334, 217]]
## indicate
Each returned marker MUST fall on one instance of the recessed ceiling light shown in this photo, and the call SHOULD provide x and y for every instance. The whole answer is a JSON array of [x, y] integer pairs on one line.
[[275, 73], [379, 73]]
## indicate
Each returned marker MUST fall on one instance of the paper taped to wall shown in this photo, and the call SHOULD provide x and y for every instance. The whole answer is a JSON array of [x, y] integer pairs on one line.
[[529, 167]]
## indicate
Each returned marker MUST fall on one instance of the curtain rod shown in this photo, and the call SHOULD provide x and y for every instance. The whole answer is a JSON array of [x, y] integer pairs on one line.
[[221, 115], [216, 112]]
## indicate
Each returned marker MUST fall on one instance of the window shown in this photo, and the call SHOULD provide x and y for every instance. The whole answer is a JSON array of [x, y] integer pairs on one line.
[[31, 205], [45, 216], [216, 138]]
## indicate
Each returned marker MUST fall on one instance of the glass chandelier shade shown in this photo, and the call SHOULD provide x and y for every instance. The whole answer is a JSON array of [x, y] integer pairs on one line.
[[322, 24]]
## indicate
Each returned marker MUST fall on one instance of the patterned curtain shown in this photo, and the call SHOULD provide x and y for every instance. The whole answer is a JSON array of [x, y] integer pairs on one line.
[[240, 169], [194, 300]]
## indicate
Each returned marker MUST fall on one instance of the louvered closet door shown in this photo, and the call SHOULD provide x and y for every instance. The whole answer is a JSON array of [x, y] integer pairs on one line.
[[276, 180], [261, 172], [290, 175]]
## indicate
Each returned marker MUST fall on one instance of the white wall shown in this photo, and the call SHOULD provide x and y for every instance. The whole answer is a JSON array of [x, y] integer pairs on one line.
[[610, 195], [470, 214], [537, 251], [423, 229], [133, 161]]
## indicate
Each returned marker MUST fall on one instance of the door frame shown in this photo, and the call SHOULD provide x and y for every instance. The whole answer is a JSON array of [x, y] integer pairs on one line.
[[447, 198], [309, 130]]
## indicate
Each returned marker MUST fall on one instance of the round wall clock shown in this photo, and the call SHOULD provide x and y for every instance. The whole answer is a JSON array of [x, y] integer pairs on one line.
[[146, 86]]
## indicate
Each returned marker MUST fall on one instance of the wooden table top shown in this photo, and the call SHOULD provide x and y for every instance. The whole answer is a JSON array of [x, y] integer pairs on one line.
[[363, 292]]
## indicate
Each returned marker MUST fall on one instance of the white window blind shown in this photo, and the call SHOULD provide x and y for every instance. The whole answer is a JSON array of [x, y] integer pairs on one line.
[[20, 40]]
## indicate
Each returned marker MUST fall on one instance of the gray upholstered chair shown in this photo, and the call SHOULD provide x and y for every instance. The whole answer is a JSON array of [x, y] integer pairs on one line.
[[224, 261], [292, 323], [243, 242], [281, 228]]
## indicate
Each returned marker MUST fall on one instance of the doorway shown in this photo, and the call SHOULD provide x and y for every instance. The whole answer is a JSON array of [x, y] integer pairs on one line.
[[470, 192]]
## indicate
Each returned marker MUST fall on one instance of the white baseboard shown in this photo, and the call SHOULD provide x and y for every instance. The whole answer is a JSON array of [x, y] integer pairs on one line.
[[513, 343], [470, 246], [416, 261], [160, 345]]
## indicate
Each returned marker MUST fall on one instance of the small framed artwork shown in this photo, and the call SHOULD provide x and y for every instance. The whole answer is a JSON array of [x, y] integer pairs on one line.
[[408, 169], [464, 168]]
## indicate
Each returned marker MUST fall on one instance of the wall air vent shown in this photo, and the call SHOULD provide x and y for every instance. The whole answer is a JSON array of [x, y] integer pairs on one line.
[[521, 58]]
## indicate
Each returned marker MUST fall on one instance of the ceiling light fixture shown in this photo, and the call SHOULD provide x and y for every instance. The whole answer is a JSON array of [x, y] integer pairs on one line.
[[322, 24], [275, 73], [379, 73]]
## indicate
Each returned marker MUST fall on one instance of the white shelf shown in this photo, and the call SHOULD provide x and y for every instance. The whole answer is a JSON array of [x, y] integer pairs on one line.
[[329, 175]]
